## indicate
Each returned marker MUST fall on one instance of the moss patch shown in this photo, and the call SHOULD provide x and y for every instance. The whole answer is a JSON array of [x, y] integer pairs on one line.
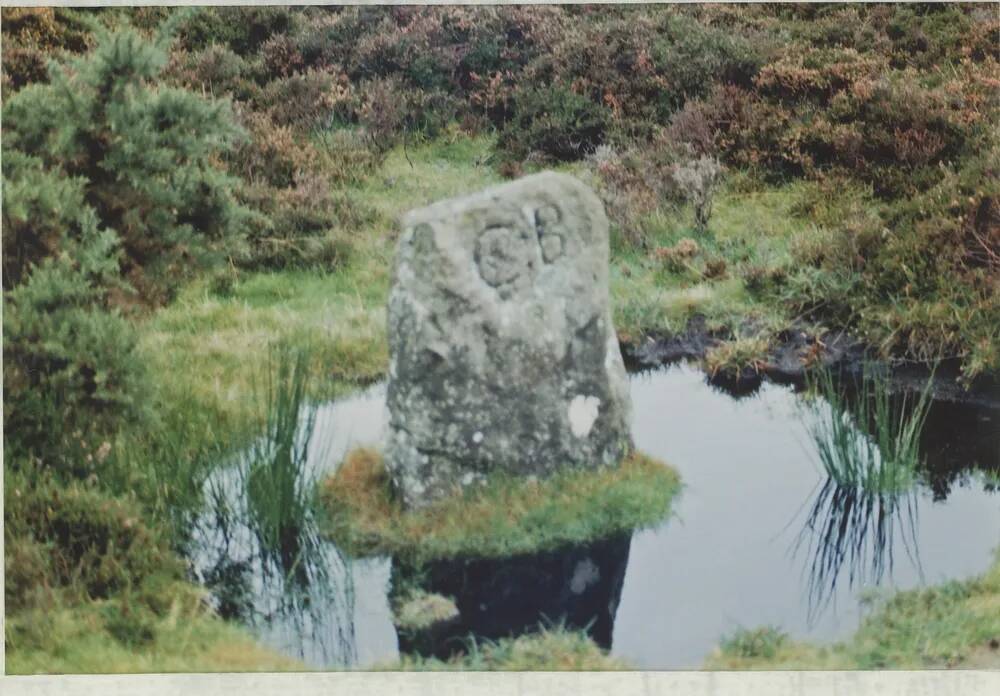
[[507, 516]]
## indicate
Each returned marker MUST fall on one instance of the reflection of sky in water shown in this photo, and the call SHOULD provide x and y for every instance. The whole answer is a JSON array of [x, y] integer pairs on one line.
[[727, 558], [750, 478]]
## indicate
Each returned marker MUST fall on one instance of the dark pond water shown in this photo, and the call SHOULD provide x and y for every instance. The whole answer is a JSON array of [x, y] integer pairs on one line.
[[757, 538]]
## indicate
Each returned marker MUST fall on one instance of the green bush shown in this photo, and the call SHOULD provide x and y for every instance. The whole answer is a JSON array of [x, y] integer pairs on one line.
[[72, 376], [555, 122], [693, 56], [146, 154], [73, 538], [242, 29]]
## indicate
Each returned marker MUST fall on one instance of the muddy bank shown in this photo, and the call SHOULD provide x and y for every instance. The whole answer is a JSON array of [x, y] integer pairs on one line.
[[793, 352]]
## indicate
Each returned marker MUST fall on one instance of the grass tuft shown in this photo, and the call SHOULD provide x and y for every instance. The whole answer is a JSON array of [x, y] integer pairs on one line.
[[884, 462], [280, 490], [738, 356], [763, 642]]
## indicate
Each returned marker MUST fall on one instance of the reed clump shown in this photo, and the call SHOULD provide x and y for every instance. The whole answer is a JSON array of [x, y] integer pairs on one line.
[[870, 442]]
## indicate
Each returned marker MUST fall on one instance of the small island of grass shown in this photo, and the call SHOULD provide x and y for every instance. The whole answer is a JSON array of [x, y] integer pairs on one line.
[[505, 517]]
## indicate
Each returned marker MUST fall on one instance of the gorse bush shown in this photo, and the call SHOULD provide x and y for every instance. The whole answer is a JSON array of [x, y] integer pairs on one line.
[[146, 156], [72, 376]]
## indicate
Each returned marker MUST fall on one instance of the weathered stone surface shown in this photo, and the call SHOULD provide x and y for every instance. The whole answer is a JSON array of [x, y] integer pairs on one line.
[[503, 353]]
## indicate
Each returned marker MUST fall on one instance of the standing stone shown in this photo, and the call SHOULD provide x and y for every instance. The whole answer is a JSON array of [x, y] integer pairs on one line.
[[503, 353]]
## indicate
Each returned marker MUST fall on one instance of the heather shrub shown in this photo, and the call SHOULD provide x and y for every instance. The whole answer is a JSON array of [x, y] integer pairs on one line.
[[554, 122], [628, 189], [692, 56], [305, 101], [281, 56], [242, 29], [273, 154], [932, 286], [635, 181], [348, 156], [215, 70], [32, 36], [306, 225]]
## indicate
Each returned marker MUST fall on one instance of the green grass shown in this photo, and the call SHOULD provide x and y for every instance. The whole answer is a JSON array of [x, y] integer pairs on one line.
[[735, 279], [207, 346], [956, 624], [551, 649], [505, 517], [77, 639]]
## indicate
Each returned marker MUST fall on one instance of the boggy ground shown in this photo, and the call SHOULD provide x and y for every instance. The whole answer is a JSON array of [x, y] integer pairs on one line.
[[209, 346], [660, 314], [859, 191]]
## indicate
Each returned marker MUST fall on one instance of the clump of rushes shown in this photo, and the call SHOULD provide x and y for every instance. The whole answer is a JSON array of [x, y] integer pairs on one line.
[[280, 490], [885, 461], [740, 356], [507, 516]]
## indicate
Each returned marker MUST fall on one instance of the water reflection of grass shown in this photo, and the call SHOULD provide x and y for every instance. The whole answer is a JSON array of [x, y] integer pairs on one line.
[[854, 531]]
